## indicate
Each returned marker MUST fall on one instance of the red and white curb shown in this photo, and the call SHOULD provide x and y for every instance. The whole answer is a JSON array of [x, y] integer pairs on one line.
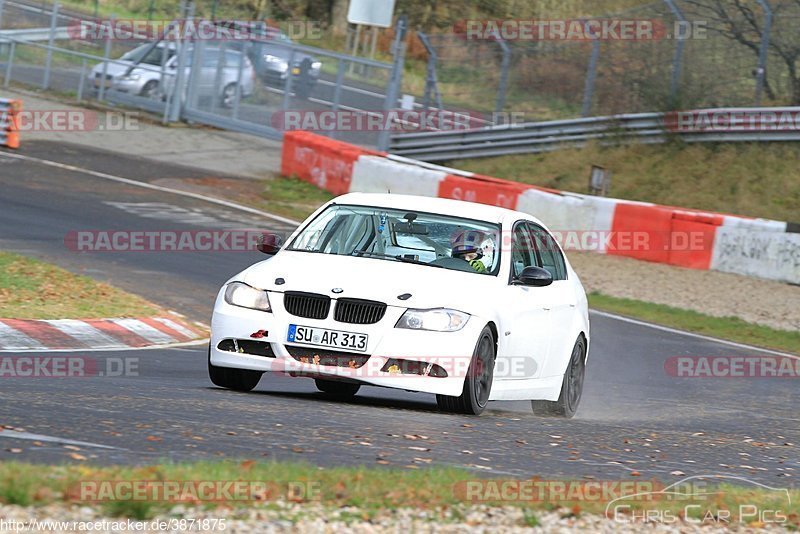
[[95, 334]]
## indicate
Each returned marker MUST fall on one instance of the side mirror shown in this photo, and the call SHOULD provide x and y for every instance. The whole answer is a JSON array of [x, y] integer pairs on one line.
[[269, 243], [534, 276]]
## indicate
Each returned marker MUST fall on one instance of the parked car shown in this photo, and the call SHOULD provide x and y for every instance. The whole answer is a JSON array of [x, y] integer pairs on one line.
[[270, 51], [466, 301], [139, 72]]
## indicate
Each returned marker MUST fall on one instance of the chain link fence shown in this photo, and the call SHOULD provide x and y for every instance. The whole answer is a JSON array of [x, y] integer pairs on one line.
[[693, 60], [262, 85]]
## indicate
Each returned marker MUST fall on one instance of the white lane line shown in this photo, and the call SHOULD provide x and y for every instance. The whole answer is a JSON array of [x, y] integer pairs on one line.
[[12, 339], [690, 334], [175, 326], [86, 333], [13, 434], [145, 330], [154, 187]]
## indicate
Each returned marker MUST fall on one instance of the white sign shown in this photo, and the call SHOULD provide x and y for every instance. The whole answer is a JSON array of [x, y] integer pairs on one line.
[[371, 12]]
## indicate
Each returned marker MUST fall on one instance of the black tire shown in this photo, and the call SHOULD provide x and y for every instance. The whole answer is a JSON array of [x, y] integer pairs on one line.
[[228, 96], [339, 390], [571, 387], [150, 90], [235, 379], [478, 383]]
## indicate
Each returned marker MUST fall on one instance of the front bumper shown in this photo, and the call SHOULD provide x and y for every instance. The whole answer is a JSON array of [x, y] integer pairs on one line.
[[451, 351], [116, 84]]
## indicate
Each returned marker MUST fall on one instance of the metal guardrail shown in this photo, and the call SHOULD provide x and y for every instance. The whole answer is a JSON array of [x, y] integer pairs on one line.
[[535, 137], [33, 34]]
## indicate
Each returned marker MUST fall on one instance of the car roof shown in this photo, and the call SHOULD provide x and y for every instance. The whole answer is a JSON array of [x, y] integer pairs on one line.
[[444, 206]]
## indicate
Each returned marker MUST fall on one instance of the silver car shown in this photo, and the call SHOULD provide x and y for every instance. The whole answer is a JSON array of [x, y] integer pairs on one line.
[[139, 72]]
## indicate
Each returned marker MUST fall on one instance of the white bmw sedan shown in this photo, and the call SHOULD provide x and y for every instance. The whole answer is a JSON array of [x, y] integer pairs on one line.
[[466, 301]]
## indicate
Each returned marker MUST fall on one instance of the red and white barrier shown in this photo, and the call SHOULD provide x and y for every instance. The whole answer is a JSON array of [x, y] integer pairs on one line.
[[666, 234]]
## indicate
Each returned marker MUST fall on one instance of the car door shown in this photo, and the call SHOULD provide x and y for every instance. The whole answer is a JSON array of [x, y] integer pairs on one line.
[[527, 330], [561, 299]]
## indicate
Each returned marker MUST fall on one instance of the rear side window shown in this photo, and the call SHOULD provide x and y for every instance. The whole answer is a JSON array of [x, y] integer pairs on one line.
[[551, 257]]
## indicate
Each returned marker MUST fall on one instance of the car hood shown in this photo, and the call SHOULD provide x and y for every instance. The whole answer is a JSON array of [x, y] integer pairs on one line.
[[371, 278], [118, 68]]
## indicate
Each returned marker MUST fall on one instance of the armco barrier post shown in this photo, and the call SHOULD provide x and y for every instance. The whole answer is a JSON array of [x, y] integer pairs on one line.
[[398, 48], [50, 43], [763, 51], [591, 75]]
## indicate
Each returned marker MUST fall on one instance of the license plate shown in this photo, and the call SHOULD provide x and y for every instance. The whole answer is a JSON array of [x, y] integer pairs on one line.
[[323, 337], [295, 70]]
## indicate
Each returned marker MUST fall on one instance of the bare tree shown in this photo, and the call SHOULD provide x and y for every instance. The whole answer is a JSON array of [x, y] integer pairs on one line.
[[742, 21]]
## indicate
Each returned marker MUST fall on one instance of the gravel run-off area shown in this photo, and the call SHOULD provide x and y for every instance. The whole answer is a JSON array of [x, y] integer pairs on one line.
[[754, 300]]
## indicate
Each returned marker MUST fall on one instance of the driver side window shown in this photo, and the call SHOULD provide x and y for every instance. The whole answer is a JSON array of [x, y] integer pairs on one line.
[[522, 250]]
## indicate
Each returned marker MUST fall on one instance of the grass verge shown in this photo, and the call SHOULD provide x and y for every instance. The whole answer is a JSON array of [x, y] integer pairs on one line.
[[730, 328], [371, 490], [758, 179], [33, 289], [292, 197]]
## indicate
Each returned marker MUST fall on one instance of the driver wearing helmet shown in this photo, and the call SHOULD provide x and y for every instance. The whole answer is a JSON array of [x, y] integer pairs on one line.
[[468, 245]]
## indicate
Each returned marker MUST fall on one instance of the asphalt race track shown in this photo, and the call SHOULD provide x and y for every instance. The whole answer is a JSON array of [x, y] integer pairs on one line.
[[634, 418]]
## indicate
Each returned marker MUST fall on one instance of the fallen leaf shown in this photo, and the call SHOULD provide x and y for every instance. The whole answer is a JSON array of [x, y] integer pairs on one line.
[[14, 451], [635, 474], [247, 464], [677, 473], [154, 438], [72, 447], [76, 456], [423, 460], [231, 433], [383, 462], [423, 449]]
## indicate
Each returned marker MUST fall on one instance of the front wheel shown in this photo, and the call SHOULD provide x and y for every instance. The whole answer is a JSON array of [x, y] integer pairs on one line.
[[228, 95], [571, 387], [235, 379], [150, 90], [478, 383]]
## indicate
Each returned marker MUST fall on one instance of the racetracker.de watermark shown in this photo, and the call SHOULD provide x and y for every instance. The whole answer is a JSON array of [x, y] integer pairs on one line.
[[193, 491], [733, 366], [379, 120], [66, 366], [192, 30], [71, 120], [589, 29], [163, 240], [244, 240], [745, 120]]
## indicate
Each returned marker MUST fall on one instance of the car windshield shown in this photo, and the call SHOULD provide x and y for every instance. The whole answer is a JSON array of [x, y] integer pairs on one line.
[[406, 236], [148, 54]]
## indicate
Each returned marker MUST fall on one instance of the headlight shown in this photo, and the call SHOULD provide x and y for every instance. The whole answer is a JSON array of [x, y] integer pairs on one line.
[[131, 77], [439, 320], [240, 294], [316, 65]]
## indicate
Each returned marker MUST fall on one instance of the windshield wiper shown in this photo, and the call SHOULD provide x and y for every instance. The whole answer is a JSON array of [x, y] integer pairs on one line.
[[397, 257]]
